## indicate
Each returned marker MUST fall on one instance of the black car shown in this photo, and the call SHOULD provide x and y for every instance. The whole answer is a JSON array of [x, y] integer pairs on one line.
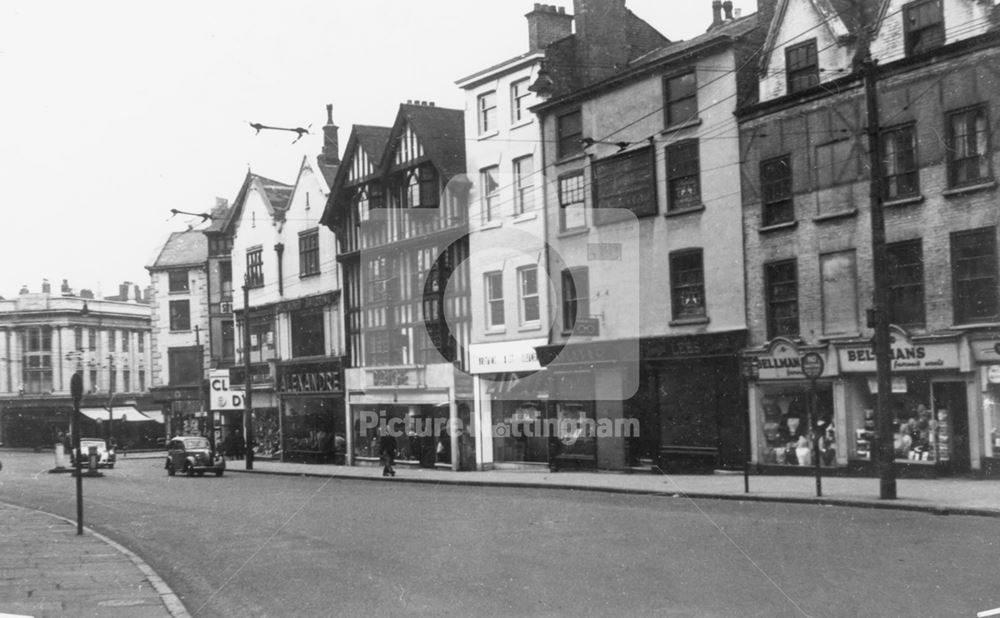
[[193, 455]]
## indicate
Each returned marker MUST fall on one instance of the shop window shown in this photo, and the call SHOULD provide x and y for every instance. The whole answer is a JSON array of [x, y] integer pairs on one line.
[[313, 431], [776, 191], [569, 134], [968, 147], [683, 176], [527, 438], [681, 94], [974, 273], [838, 272], [307, 333], [899, 152], [924, 23], [789, 424], [571, 202], [687, 284], [782, 297], [906, 282], [801, 66]]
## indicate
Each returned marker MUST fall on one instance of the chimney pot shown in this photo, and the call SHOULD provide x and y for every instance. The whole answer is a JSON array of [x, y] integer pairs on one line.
[[546, 25], [329, 113], [727, 6]]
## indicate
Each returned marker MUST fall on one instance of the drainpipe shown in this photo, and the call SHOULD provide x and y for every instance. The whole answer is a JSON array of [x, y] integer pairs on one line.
[[280, 250]]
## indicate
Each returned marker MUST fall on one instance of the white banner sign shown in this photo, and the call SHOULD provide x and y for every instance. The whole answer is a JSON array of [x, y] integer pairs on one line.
[[222, 397]]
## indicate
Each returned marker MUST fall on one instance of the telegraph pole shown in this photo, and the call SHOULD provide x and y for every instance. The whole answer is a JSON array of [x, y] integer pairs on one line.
[[879, 315], [76, 391], [247, 386]]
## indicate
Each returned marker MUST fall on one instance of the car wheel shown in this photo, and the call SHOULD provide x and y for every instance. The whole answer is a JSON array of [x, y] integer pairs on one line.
[[188, 469], [201, 473], [170, 469], [218, 473]]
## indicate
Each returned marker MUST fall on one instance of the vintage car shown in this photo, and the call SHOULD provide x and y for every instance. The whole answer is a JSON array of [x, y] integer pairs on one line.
[[193, 455], [105, 454]]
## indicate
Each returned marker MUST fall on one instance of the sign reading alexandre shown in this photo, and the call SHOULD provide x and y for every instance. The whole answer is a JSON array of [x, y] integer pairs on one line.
[[309, 377]]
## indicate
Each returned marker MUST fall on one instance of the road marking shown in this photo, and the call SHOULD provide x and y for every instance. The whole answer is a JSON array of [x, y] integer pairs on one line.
[[988, 612]]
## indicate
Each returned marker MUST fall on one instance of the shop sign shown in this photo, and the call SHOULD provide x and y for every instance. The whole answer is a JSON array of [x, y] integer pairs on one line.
[[993, 374], [316, 377], [220, 395], [587, 353], [716, 344], [260, 374], [985, 351], [812, 365], [392, 377], [505, 356], [781, 362], [904, 354]]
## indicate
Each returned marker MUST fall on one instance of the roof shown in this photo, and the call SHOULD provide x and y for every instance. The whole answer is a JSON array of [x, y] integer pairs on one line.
[[188, 248], [509, 64], [276, 193], [728, 30], [219, 215], [372, 141], [843, 18], [441, 132], [328, 170]]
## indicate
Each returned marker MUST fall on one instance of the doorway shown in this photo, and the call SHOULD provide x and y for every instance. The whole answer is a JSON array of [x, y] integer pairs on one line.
[[952, 416]]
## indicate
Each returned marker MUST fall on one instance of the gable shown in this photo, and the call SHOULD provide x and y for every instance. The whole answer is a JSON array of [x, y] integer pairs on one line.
[[409, 147], [361, 166]]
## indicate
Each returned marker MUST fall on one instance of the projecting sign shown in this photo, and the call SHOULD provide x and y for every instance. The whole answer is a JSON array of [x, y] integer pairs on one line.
[[222, 398]]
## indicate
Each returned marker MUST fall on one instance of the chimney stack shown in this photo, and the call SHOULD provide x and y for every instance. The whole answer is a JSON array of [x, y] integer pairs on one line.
[[65, 289], [331, 140], [546, 25], [716, 12], [46, 288], [727, 6]]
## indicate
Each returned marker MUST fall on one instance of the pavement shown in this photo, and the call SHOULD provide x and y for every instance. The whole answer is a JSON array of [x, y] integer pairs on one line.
[[46, 569]]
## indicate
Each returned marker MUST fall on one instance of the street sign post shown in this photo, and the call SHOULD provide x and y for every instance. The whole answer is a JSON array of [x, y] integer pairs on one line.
[[812, 366], [76, 390]]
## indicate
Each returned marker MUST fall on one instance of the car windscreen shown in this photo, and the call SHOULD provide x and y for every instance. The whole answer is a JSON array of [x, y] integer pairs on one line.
[[196, 443]]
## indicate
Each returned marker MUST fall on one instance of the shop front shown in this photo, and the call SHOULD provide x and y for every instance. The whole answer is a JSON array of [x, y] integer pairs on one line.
[[511, 399], [986, 357], [265, 413], [427, 408], [788, 410], [931, 380], [312, 420]]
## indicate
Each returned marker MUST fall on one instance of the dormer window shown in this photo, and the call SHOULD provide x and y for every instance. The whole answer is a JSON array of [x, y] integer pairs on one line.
[[422, 187], [801, 66], [924, 21]]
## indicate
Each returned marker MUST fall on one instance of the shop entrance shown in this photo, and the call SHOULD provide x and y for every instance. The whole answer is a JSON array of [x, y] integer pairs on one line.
[[951, 413]]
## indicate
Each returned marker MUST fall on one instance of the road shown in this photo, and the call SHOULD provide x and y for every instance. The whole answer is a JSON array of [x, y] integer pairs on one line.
[[257, 545]]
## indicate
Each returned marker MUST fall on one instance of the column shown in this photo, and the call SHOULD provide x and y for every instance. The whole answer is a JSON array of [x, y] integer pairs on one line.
[[5, 359], [57, 347]]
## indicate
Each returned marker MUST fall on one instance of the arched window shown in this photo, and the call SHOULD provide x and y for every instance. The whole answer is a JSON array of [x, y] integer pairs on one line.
[[413, 191], [364, 207]]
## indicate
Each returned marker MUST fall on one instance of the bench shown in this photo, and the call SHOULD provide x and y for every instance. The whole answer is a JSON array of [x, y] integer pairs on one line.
[[677, 456]]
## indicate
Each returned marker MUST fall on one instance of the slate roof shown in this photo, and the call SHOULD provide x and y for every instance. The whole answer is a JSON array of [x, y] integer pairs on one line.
[[441, 132], [372, 140], [729, 29], [277, 193], [188, 248]]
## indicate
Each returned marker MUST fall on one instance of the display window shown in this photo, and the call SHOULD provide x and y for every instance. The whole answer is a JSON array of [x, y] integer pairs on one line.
[[929, 419], [313, 428], [266, 432], [788, 425], [574, 417], [520, 434], [991, 410], [421, 433]]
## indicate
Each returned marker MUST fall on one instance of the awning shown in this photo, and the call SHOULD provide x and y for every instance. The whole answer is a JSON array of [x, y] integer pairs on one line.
[[126, 413], [527, 384], [154, 415]]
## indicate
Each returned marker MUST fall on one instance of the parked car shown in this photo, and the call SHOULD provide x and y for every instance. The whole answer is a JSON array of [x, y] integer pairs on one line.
[[105, 454], [193, 455]]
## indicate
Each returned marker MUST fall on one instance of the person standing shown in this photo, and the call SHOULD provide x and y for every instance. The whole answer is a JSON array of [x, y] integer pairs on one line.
[[387, 444]]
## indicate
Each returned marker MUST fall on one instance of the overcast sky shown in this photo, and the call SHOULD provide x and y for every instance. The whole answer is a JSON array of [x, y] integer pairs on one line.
[[113, 113]]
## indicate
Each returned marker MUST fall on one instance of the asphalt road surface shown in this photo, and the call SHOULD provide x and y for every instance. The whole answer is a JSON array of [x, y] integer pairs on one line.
[[258, 545]]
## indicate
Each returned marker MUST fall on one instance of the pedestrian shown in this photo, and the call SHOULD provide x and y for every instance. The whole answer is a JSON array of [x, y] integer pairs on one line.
[[387, 444], [555, 449]]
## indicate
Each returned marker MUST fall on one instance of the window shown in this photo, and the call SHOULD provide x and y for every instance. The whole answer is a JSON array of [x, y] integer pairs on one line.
[[92, 339], [262, 346], [528, 286], [93, 380], [489, 183], [801, 66], [781, 290], [776, 191], [226, 280], [142, 381], [569, 134], [924, 23], [307, 333], [111, 334], [974, 271], [575, 296], [524, 181], [968, 145], [185, 365], [228, 340], [571, 202], [364, 207], [494, 300], [126, 380], [487, 112], [681, 94], [78, 338], [624, 182], [900, 155], [178, 280], [36, 346], [124, 341], [687, 284], [429, 190], [519, 100], [309, 253], [412, 196], [180, 318], [112, 379], [905, 262], [683, 176], [141, 341], [838, 273], [255, 267]]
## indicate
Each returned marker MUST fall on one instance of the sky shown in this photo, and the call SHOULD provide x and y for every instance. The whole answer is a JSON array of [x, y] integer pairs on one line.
[[115, 112]]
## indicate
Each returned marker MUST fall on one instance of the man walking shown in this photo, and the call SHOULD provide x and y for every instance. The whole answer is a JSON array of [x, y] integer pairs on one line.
[[387, 444]]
